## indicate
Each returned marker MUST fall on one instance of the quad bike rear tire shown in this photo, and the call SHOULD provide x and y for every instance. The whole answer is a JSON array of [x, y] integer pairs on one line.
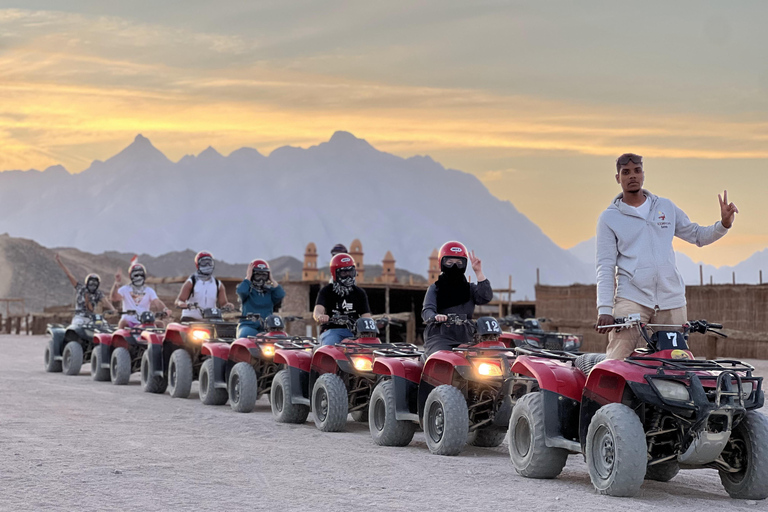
[[528, 449], [330, 403], [386, 430], [180, 374], [663, 472], [151, 383], [51, 364], [97, 372], [489, 437], [72, 358], [616, 451], [209, 393], [749, 445], [120, 366], [280, 400], [446, 420], [243, 387]]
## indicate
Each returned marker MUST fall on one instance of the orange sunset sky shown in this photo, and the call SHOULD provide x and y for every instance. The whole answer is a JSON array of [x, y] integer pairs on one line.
[[534, 98]]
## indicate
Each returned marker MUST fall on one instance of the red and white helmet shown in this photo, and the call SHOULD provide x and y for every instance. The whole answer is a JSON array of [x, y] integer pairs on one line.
[[342, 261], [205, 257], [261, 266], [453, 250]]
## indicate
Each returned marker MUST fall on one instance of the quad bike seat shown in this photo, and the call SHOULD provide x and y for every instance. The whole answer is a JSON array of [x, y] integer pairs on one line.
[[585, 362]]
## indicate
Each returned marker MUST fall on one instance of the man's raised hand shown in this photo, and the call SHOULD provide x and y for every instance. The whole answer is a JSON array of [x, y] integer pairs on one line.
[[728, 210]]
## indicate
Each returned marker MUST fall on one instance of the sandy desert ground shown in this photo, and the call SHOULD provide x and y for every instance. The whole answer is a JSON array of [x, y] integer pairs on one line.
[[69, 443]]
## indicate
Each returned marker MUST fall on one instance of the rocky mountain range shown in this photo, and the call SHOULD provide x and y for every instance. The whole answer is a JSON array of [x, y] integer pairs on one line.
[[246, 205]]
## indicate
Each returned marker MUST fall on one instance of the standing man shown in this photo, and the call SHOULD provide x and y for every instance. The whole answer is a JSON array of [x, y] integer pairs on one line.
[[634, 253]]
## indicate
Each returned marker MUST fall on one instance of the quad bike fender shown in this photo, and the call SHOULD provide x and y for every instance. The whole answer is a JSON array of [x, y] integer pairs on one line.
[[299, 359], [560, 377], [604, 386], [157, 361], [406, 398], [441, 367], [122, 338], [220, 371], [404, 368], [103, 342], [56, 332], [326, 359], [215, 350], [176, 334], [153, 338], [299, 385], [240, 351]]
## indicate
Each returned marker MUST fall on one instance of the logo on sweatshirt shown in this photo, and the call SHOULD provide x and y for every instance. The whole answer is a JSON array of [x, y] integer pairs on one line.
[[347, 306], [663, 223]]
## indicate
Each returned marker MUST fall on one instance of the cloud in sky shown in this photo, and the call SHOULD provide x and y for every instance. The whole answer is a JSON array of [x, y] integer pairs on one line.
[[554, 92]]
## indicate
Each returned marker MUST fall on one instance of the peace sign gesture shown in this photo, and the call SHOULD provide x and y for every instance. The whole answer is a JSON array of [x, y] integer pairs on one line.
[[477, 266], [727, 210]]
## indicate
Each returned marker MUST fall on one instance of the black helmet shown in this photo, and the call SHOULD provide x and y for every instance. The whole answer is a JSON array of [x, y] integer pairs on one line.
[[488, 327], [274, 323], [338, 249]]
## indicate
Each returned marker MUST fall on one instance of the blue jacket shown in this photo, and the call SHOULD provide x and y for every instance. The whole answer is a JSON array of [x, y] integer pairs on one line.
[[260, 303]]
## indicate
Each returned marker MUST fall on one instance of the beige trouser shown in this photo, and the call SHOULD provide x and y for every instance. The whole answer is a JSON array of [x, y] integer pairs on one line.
[[622, 343]]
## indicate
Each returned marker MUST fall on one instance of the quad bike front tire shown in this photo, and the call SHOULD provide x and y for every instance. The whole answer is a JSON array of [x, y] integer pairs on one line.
[[180, 374], [97, 372], [243, 387], [120, 366], [51, 364], [528, 449], [616, 451], [385, 429], [209, 393], [280, 401], [151, 383], [330, 403], [747, 447], [72, 358], [663, 472], [446, 420]]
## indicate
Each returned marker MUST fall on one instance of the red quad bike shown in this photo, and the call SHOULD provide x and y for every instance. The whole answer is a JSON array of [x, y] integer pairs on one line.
[[70, 347], [117, 355], [647, 416], [529, 333], [190, 351], [459, 396], [251, 368], [335, 380]]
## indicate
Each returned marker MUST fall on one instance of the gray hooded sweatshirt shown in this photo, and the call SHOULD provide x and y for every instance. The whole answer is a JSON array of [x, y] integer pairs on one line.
[[638, 253]]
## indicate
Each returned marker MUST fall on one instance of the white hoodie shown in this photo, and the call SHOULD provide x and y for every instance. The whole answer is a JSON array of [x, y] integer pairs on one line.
[[638, 253]]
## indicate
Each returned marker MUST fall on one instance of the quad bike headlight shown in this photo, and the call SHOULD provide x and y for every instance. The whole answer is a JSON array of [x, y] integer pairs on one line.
[[362, 364], [268, 350], [672, 390], [489, 369], [200, 335]]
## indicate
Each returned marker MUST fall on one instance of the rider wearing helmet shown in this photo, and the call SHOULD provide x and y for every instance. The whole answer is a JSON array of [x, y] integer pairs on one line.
[[88, 295], [453, 294], [135, 296], [202, 289], [340, 297], [258, 294]]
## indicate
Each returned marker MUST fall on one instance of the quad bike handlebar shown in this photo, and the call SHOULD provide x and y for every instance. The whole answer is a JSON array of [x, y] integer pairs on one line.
[[453, 319]]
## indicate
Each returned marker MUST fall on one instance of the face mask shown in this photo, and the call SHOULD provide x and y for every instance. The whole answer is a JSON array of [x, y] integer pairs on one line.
[[137, 279], [92, 286], [259, 279], [205, 266], [348, 281], [454, 271]]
